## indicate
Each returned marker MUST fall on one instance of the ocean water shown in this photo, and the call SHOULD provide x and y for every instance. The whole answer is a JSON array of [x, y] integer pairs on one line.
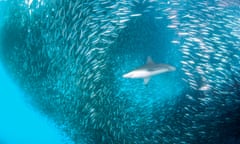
[[62, 63], [20, 123]]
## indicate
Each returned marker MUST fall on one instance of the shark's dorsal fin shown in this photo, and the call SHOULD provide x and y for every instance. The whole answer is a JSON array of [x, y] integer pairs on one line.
[[146, 80], [149, 60]]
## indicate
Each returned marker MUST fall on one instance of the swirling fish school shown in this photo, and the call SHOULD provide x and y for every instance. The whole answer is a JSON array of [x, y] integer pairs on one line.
[[69, 56]]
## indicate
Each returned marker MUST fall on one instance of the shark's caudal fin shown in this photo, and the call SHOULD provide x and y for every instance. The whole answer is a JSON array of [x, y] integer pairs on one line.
[[149, 60], [146, 80]]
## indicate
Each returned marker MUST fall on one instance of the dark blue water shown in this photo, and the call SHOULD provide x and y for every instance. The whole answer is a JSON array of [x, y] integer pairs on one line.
[[62, 64]]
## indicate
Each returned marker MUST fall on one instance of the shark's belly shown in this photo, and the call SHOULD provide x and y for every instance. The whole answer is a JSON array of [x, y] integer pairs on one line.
[[146, 74]]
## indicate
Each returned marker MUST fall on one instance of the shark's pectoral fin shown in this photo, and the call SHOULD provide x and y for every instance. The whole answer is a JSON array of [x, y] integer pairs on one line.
[[146, 80]]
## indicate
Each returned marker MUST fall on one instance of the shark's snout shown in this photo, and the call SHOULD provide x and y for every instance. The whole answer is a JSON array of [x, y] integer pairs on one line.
[[125, 75], [128, 75]]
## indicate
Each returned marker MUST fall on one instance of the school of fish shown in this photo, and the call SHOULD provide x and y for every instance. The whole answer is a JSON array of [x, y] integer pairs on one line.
[[69, 57]]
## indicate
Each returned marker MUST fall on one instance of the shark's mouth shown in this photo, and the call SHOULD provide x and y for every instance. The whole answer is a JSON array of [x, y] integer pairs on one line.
[[69, 56]]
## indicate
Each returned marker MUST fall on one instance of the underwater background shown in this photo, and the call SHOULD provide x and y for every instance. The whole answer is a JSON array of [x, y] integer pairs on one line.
[[62, 61]]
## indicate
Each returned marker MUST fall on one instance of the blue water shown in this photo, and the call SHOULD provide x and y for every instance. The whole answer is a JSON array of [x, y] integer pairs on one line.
[[19, 122]]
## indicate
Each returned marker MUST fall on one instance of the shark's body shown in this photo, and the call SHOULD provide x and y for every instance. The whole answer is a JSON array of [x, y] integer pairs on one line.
[[148, 70]]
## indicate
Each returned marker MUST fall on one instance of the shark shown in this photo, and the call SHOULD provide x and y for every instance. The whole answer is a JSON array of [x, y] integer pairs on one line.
[[148, 70]]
